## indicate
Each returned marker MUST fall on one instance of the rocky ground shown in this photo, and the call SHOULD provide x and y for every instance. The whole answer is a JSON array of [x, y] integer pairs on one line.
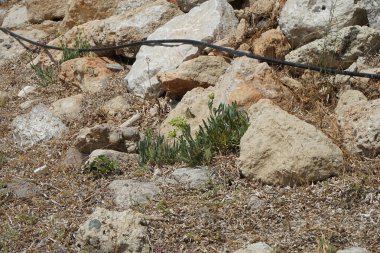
[[306, 177]]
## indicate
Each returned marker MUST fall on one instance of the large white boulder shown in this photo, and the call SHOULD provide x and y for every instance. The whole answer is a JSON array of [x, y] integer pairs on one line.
[[303, 21], [211, 21]]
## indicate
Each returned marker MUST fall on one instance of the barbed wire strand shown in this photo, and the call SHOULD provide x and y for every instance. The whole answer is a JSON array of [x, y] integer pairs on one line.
[[165, 42]]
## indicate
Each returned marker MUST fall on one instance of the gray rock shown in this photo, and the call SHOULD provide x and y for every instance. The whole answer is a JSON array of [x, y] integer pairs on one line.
[[212, 20], [130, 133], [338, 49], [117, 105], [130, 192], [131, 121], [278, 148], [349, 98], [68, 108], [255, 203], [2, 15], [193, 177], [99, 137], [17, 16], [112, 231], [73, 158], [127, 5], [373, 12], [29, 103], [359, 120], [36, 126], [303, 21], [259, 247], [120, 157], [187, 5], [21, 188], [353, 250], [11, 49]]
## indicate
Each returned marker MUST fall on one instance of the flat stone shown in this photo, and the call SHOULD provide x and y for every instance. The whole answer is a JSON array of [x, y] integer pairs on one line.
[[130, 192], [259, 247], [21, 189], [16, 17], [36, 126], [68, 108], [193, 177]]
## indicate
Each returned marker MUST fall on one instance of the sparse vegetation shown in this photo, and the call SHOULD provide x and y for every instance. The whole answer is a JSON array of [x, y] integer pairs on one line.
[[73, 52], [220, 134], [324, 246], [47, 75], [103, 166]]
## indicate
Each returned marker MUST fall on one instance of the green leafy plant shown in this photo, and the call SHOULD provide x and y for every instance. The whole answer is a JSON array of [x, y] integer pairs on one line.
[[80, 42], [220, 133], [47, 75], [103, 166]]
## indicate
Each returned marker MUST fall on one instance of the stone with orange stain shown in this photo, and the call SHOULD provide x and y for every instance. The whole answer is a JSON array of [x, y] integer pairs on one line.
[[272, 44], [246, 81], [89, 73]]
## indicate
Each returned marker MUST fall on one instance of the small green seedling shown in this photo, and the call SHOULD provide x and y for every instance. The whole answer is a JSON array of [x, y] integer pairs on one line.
[[103, 166]]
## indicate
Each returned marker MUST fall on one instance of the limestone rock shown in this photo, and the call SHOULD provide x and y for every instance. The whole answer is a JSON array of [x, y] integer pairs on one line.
[[271, 43], [373, 13], [16, 17], [259, 247], [353, 250], [99, 137], [2, 15], [193, 177], [303, 21], [278, 148], [81, 11], [130, 192], [187, 5], [26, 91], [89, 73], [339, 49], [245, 82], [112, 231], [36, 126], [202, 71], [38, 11], [213, 20], [73, 158], [123, 159], [359, 120], [10, 48], [68, 108], [349, 98], [21, 188], [194, 101], [128, 5], [117, 105]]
